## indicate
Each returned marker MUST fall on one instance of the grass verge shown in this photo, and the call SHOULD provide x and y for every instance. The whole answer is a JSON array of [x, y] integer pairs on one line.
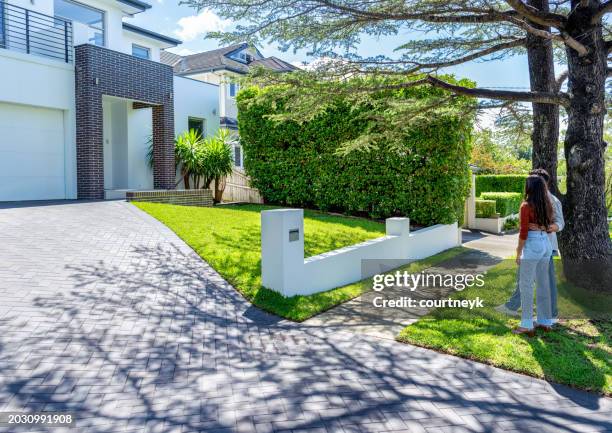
[[578, 353], [228, 238]]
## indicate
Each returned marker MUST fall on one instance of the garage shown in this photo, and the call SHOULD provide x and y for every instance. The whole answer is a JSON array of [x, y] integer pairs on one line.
[[31, 153]]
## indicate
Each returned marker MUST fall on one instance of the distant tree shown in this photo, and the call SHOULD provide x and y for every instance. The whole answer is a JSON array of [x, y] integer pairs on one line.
[[493, 158], [465, 30]]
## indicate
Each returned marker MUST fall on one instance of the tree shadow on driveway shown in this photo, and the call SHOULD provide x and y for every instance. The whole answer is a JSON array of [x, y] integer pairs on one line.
[[158, 342]]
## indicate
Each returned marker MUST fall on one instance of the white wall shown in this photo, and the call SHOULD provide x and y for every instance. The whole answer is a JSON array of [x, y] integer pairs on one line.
[[226, 103], [194, 98], [130, 38], [284, 269], [140, 126], [22, 83]]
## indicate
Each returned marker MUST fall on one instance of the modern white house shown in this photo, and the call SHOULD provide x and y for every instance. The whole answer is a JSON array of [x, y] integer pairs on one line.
[[222, 67], [83, 95]]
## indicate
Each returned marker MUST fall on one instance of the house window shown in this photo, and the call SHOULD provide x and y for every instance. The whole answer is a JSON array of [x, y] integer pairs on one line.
[[233, 89], [92, 19], [197, 125], [2, 37], [141, 52], [238, 156]]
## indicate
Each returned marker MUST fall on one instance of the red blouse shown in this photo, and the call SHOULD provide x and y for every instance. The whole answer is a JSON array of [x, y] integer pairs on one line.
[[526, 216]]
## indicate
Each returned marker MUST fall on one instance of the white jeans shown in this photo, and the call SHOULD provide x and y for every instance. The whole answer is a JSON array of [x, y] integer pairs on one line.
[[535, 261]]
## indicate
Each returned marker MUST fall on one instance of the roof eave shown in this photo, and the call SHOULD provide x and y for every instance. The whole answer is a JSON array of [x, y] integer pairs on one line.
[[171, 42]]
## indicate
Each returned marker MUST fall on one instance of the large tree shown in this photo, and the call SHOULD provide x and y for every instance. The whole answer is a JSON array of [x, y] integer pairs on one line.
[[464, 31]]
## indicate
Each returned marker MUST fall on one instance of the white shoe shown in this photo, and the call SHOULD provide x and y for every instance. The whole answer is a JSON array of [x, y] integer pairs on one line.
[[507, 311]]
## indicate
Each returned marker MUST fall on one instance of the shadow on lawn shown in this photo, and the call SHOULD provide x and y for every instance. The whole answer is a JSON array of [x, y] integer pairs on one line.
[[160, 343]]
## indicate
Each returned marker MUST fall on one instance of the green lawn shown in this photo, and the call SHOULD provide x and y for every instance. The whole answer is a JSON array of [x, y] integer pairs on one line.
[[577, 353], [228, 238]]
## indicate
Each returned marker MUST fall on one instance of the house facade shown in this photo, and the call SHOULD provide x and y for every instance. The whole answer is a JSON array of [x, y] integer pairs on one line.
[[224, 67], [84, 95]]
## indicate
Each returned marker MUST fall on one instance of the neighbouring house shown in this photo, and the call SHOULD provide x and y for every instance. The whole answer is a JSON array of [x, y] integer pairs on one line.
[[83, 94], [222, 67]]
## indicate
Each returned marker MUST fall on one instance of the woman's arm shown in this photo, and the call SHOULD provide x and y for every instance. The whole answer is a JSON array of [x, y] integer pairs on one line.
[[524, 230]]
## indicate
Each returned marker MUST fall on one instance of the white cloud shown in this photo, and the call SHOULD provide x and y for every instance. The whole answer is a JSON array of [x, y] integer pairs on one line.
[[194, 26]]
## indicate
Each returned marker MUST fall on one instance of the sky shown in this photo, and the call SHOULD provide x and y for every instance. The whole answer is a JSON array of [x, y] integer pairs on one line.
[[183, 22]]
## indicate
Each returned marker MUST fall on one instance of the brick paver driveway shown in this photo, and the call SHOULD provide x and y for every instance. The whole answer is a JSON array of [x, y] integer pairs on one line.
[[105, 313]]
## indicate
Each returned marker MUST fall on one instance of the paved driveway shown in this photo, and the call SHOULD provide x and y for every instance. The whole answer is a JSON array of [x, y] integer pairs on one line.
[[105, 313]]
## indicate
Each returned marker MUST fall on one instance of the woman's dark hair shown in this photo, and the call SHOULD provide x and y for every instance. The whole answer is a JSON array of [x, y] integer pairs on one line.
[[536, 195]]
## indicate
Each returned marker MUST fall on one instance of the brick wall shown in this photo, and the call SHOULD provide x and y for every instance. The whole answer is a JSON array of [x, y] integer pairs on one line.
[[185, 197], [100, 71]]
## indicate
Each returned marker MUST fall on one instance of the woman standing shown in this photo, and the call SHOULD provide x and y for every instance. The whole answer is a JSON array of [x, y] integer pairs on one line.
[[533, 256]]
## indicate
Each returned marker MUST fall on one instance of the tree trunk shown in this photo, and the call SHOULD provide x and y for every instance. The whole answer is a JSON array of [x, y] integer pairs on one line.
[[545, 135], [585, 243]]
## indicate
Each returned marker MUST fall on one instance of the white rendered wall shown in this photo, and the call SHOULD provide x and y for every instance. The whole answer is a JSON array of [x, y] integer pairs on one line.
[[140, 127], [284, 269], [130, 38], [41, 82], [193, 98]]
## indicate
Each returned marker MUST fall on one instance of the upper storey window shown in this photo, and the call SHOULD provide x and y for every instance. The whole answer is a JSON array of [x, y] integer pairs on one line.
[[91, 20]]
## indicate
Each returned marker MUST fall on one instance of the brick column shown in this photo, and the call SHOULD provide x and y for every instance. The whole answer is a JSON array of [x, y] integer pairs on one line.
[[100, 71], [164, 171]]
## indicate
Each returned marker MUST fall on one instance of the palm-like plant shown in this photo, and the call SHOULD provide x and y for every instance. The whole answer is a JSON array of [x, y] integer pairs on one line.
[[187, 150], [201, 160], [219, 160]]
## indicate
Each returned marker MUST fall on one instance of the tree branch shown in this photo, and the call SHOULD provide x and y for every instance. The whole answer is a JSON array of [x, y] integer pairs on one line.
[[604, 8], [541, 97], [546, 19], [443, 64], [562, 37], [560, 80]]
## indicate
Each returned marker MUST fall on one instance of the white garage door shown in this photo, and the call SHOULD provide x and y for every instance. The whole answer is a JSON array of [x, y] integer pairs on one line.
[[31, 153]]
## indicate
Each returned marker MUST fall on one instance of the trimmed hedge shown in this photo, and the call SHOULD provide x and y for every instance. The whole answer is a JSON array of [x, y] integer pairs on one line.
[[506, 203], [485, 208], [500, 183], [298, 164]]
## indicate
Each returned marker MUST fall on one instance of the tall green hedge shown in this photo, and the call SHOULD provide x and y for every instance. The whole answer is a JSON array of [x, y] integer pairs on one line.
[[506, 203], [298, 165], [500, 183], [485, 208]]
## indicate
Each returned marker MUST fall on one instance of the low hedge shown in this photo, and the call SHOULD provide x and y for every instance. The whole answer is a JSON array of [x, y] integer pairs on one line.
[[500, 183], [506, 203], [297, 164], [485, 208]]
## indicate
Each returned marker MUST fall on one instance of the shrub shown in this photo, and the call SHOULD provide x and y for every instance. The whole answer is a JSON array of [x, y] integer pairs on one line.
[[506, 203], [500, 183], [511, 224], [485, 208], [298, 164]]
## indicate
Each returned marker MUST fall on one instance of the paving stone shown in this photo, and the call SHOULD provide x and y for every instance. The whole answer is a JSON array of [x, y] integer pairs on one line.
[[108, 314]]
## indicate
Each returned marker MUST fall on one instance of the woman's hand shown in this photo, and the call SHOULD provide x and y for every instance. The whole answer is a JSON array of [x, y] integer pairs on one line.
[[534, 226], [518, 259]]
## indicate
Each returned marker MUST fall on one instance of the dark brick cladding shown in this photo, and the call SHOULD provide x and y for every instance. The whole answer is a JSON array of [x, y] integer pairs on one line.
[[100, 71]]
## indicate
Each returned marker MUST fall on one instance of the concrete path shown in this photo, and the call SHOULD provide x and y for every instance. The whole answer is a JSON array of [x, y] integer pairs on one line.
[[503, 246], [107, 314]]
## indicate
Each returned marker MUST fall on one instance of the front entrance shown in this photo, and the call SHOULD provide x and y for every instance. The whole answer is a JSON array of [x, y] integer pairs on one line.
[[127, 136], [113, 129]]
